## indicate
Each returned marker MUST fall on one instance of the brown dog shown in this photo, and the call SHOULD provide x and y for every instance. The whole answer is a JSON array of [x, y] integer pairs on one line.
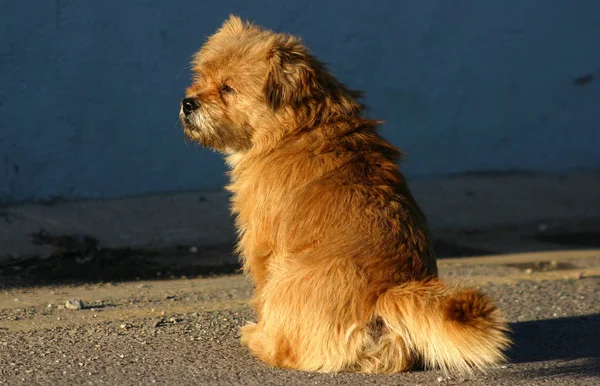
[[340, 253]]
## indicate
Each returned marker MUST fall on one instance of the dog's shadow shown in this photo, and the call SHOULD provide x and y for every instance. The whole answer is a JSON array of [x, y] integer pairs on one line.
[[573, 342]]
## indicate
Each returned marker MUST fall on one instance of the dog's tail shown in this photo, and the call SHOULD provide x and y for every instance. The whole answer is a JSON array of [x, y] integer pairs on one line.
[[453, 329]]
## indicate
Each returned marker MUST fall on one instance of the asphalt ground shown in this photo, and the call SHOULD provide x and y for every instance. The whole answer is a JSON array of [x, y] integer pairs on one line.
[[181, 330]]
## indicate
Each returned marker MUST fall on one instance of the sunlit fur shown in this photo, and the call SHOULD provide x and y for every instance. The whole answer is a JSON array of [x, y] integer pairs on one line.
[[338, 249]]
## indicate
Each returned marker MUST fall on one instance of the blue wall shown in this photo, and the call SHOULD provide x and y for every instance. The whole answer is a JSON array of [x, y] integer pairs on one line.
[[89, 90]]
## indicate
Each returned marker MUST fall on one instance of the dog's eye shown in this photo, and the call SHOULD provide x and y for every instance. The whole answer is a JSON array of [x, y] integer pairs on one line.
[[225, 89]]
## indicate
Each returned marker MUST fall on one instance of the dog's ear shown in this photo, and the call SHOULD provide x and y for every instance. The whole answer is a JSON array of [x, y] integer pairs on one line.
[[290, 74]]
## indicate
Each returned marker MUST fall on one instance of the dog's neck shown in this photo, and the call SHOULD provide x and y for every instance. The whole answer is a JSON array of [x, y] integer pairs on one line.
[[328, 131], [232, 157]]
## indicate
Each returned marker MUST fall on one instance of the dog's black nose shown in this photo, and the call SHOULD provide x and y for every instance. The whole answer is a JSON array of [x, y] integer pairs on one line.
[[189, 104]]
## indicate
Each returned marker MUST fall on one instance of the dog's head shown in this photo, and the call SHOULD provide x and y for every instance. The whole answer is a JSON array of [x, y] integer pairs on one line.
[[251, 85]]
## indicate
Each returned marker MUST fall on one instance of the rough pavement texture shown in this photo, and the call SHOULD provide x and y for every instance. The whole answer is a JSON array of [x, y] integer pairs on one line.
[[185, 331]]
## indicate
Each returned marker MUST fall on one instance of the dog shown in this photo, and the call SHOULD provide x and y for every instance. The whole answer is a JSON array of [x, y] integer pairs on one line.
[[338, 250]]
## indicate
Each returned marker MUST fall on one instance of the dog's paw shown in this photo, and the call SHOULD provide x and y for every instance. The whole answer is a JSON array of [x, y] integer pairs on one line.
[[247, 332]]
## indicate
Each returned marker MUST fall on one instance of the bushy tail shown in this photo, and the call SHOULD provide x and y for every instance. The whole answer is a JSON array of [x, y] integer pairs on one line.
[[453, 329]]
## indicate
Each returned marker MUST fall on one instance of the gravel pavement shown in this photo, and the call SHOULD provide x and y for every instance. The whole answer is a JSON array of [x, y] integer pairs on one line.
[[181, 331]]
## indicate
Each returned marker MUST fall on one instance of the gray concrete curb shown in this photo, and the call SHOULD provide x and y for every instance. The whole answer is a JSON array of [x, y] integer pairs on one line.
[[471, 202]]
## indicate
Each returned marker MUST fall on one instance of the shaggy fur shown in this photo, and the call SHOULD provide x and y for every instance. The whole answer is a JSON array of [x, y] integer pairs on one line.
[[339, 251]]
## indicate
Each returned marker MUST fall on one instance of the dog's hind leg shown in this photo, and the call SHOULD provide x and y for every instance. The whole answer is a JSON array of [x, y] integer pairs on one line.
[[312, 319]]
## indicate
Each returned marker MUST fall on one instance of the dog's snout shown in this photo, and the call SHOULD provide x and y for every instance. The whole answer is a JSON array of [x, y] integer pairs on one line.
[[189, 104]]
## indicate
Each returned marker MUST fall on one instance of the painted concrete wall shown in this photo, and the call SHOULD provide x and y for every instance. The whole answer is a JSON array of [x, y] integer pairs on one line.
[[89, 90]]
